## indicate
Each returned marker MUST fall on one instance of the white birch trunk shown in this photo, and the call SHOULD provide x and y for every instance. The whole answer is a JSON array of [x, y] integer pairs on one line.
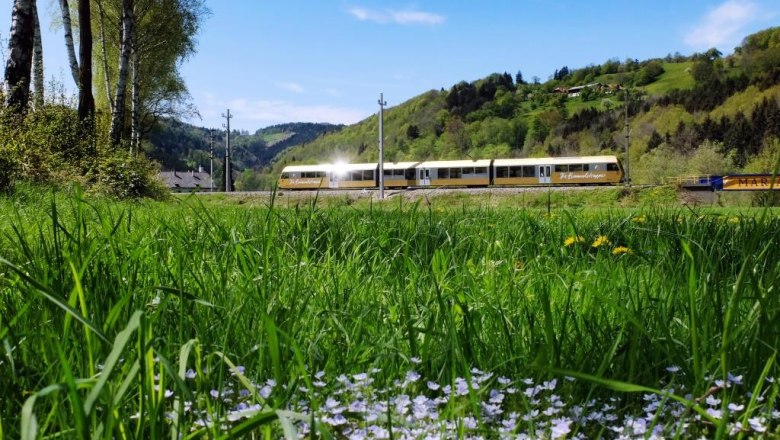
[[66, 24], [37, 62], [106, 74], [135, 136], [18, 66], [118, 115]]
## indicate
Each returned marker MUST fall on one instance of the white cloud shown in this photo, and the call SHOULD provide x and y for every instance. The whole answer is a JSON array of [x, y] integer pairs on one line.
[[407, 17], [292, 87], [723, 25]]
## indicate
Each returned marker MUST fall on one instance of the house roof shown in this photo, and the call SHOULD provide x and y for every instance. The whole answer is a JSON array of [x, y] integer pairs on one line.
[[185, 179]]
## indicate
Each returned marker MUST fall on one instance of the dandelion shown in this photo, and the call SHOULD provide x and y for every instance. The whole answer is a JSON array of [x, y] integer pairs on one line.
[[620, 250], [734, 220], [518, 265], [601, 240], [574, 239], [641, 219]]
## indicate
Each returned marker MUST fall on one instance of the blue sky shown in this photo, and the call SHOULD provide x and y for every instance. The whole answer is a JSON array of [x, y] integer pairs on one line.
[[272, 62]]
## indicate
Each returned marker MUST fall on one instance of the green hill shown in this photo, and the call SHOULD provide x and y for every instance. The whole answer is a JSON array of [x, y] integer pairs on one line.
[[703, 113]]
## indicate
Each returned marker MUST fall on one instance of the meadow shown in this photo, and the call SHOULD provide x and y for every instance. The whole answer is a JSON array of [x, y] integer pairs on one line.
[[193, 319]]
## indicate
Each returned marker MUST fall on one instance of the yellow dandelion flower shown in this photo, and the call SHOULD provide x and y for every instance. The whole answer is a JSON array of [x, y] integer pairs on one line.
[[518, 265], [734, 220], [639, 219], [621, 250], [574, 239], [601, 240]]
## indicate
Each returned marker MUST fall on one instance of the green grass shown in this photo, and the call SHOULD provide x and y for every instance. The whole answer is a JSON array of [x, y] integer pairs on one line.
[[105, 305], [675, 76]]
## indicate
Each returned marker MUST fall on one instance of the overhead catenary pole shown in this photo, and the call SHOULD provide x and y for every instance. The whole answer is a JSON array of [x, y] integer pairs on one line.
[[228, 176], [382, 105], [628, 141], [211, 157]]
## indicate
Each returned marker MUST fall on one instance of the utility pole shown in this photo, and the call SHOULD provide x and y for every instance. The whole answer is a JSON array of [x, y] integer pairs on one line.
[[228, 176], [382, 105], [628, 141], [211, 157]]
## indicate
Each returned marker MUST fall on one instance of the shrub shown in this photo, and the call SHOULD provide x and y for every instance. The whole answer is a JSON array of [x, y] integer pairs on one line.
[[126, 176]]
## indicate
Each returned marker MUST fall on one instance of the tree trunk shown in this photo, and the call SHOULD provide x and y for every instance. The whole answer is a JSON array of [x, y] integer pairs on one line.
[[86, 100], [101, 20], [66, 24], [135, 136], [118, 116], [37, 62], [20, 48]]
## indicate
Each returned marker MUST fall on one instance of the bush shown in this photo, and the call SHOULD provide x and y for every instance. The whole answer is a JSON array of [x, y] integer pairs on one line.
[[126, 176], [7, 171]]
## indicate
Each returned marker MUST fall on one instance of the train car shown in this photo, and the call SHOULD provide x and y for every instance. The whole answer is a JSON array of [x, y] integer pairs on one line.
[[586, 170], [453, 173], [354, 175], [399, 174], [305, 177], [751, 182]]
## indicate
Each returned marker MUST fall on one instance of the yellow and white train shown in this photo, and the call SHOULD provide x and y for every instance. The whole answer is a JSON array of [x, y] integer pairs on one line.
[[584, 170]]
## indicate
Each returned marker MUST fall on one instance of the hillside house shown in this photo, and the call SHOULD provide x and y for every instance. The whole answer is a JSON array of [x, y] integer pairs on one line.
[[186, 181]]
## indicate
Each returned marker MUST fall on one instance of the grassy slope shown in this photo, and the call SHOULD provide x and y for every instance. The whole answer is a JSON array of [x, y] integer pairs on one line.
[[675, 76]]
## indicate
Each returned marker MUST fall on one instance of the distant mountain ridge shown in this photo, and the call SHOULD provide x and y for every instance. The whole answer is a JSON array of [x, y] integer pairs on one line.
[[178, 145]]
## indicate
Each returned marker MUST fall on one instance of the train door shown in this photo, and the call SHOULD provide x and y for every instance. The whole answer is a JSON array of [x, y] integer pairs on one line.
[[544, 174], [333, 180], [425, 176]]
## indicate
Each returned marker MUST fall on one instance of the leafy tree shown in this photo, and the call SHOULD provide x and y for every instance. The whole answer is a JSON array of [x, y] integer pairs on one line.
[[649, 73], [412, 132]]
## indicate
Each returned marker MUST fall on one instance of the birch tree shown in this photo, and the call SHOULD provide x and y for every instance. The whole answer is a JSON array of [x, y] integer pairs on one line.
[[118, 115], [69, 47], [37, 62], [18, 66]]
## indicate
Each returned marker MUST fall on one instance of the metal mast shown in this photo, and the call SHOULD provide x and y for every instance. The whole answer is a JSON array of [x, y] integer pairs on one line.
[[228, 176], [382, 105], [211, 157], [628, 141]]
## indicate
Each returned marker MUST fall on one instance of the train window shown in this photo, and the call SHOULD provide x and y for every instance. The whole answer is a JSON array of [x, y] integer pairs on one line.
[[480, 170], [356, 175], [444, 173], [409, 174], [612, 167], [388, 173], [561, 168], [502, 171], [586, 167], [575, 167], [455, 173], [285, 175], [515, 171], [368, 175], [468, 170], [529, 171]]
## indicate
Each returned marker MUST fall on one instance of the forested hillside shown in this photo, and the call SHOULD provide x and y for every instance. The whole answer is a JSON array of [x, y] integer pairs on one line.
[[180, 146], [703, 113]]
